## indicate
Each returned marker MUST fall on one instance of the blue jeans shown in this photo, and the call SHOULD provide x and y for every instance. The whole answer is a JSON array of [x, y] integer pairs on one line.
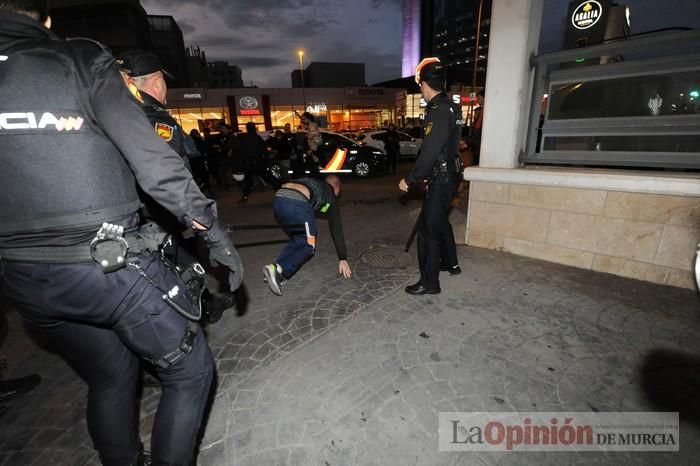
[[103, 323], [302, 239]]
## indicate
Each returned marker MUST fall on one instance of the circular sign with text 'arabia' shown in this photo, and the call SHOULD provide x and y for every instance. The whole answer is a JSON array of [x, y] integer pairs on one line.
[[587, 14]]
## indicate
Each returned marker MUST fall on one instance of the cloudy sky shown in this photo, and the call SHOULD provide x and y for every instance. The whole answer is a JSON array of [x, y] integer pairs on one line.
[[262, 36]]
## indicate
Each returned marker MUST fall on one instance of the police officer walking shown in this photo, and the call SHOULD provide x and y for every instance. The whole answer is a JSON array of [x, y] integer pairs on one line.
[[439, 166], [74, 142], [145, 73], [148, 75]]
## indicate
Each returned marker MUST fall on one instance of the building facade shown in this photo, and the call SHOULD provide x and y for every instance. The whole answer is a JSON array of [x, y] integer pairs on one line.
[[222, 75], [613, 188], [119, 24], [330, 75], [167, 42], [349, 108], [448, 30], [124, 25], [196, 61]]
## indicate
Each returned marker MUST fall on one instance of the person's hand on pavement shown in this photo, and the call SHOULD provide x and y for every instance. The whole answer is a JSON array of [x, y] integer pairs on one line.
[[403, 186], [344, 269]]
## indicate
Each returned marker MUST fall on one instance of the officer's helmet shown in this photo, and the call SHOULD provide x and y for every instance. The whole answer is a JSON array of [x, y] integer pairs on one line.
[[431, 71]]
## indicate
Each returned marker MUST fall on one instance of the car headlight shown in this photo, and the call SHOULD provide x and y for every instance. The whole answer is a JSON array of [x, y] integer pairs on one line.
[[377, 152]]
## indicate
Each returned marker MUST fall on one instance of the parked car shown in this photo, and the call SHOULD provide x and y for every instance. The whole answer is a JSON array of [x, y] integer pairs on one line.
[[413, 131], [409, 146], [340, 154]]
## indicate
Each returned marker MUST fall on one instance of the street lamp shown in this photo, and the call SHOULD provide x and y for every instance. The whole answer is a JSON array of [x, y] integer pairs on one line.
[[301, 70]]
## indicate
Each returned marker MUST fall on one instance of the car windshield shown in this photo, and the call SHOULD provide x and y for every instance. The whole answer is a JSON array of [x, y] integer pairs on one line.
[[338, 139]]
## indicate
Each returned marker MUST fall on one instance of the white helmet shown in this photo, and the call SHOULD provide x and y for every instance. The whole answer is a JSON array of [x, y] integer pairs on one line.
[[239, 176]]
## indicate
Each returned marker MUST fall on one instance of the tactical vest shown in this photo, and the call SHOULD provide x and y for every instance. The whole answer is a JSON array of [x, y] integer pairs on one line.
[[59, 169]]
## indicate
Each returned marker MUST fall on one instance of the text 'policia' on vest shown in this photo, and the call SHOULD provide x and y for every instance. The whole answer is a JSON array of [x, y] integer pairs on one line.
[[69, 160], [60, 138]]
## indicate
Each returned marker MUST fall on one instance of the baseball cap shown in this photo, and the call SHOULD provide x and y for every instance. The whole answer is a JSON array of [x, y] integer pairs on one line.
[[141, 63]]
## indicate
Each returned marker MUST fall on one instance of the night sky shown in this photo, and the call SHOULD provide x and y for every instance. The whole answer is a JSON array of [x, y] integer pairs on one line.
[[262, 36]]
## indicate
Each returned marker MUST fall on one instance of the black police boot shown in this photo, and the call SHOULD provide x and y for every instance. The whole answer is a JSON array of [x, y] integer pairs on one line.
[[13, 388], [418, 289], [454, 270], [214, 305]]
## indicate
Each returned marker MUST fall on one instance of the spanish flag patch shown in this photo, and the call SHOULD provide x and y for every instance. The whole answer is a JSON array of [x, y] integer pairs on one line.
[[165, 131]]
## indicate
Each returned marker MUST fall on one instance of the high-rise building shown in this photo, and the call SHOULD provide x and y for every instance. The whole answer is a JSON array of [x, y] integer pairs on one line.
[[329, 75], [197, 68], [124, 25], [448, 30], [119, 24], [168, 44], [222, 75], [411, 37]]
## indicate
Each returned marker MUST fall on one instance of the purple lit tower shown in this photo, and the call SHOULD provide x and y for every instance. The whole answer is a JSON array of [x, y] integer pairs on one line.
[[411, 37]]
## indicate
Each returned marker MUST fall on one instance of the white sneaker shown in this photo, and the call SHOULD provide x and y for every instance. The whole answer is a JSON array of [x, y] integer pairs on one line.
[[273, 278]]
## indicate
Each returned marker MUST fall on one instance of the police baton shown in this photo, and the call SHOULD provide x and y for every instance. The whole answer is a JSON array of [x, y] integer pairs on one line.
[[420, 187], [413, 233]]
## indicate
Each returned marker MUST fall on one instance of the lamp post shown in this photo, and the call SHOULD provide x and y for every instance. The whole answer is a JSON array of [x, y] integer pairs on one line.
[[301, 70]]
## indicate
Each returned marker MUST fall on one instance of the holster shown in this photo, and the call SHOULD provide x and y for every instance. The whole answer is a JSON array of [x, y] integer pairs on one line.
[[192, 275], [444, 168]]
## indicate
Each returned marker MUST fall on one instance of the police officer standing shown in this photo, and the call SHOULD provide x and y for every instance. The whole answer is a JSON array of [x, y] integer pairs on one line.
[[439, 166], [74, 142]]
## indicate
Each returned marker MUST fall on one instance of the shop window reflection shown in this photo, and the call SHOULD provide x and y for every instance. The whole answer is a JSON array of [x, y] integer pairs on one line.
[[200, 118]]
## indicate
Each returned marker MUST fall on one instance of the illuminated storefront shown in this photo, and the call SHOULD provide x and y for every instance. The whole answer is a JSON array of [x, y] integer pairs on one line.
[[413, 107], [336, 109]]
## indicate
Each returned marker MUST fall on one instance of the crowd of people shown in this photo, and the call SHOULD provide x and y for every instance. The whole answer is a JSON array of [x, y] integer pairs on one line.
[[230, 158]]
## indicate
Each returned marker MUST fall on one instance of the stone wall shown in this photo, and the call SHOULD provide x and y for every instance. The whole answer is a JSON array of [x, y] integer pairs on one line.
[[644, 236]]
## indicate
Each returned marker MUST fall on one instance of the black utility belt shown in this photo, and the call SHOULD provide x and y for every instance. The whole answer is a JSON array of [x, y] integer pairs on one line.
[[443, 169], [110, 248]]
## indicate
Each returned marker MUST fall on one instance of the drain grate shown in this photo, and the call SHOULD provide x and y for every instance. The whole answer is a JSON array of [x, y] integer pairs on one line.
[[386, 256]]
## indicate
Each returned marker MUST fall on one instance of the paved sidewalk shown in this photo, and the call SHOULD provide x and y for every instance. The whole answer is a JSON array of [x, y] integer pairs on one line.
[[354, 372]]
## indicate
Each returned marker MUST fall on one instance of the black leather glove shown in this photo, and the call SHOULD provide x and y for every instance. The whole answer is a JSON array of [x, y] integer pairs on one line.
[[222, 252]]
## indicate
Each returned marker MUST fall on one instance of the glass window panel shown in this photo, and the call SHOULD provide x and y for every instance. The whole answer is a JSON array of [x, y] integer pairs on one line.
[[189, 119], [665, 143], [282, 115], [259, 121], [655, 95]]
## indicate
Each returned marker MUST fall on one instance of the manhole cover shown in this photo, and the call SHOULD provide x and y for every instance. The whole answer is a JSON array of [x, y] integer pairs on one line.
[[386, 256]]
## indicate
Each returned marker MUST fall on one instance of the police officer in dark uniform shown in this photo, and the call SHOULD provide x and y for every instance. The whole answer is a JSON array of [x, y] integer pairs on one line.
[[74, 142], [146, 79], [147, 74], [439, 166]]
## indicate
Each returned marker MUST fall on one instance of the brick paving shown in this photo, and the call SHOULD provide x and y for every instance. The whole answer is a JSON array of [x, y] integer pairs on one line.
[[354, 372]]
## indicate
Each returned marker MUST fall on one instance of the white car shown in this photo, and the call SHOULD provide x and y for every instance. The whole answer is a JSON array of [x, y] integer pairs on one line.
[[408, 146]]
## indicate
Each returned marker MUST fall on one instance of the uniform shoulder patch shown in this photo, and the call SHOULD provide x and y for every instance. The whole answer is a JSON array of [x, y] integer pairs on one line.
[[165, 131], [429, 128]]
